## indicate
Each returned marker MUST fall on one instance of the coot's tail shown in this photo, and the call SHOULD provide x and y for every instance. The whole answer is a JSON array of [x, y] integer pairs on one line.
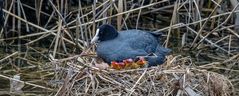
[[159, 56]]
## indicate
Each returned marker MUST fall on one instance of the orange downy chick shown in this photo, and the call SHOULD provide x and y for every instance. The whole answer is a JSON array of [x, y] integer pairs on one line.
[[117, 65], [141, 61]]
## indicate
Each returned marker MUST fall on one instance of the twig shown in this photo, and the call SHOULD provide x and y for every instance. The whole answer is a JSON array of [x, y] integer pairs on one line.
[[39, 86]]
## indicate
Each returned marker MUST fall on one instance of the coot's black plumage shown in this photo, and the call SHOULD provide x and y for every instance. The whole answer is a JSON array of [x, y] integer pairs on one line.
[[118, 46]]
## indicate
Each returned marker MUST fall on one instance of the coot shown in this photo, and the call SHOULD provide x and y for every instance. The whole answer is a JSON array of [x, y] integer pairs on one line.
[[118, 46]]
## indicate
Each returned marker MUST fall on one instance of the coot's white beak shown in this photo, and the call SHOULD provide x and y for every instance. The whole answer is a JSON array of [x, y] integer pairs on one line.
[[96, 37]]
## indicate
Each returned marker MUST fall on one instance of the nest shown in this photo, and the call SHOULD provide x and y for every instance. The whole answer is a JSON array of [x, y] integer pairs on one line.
[[177, 76]]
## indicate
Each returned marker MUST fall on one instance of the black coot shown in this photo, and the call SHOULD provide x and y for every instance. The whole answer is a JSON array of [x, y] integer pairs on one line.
[[118, 46]]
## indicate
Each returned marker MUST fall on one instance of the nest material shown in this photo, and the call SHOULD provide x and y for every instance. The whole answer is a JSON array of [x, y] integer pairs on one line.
[[178, 76]]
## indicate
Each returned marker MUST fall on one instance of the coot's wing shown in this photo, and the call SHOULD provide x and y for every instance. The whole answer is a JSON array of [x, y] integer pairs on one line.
[[140, 40], [121, 53], [149, 42], [117, 50]]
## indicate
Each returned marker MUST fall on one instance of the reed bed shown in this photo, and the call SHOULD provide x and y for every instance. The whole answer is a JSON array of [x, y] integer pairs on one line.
[[45, 47]]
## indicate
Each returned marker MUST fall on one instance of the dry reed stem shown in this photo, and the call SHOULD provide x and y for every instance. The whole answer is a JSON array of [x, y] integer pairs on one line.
[[35, 85]]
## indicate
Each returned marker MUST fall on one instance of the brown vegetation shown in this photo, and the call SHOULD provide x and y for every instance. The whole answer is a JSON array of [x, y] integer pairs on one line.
[[46, 42]]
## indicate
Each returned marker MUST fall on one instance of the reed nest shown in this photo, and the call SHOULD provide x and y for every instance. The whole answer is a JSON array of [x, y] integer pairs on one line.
[[177, 76]]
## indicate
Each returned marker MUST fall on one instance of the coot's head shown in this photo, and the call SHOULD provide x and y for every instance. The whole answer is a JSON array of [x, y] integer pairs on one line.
[[104, 32]]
